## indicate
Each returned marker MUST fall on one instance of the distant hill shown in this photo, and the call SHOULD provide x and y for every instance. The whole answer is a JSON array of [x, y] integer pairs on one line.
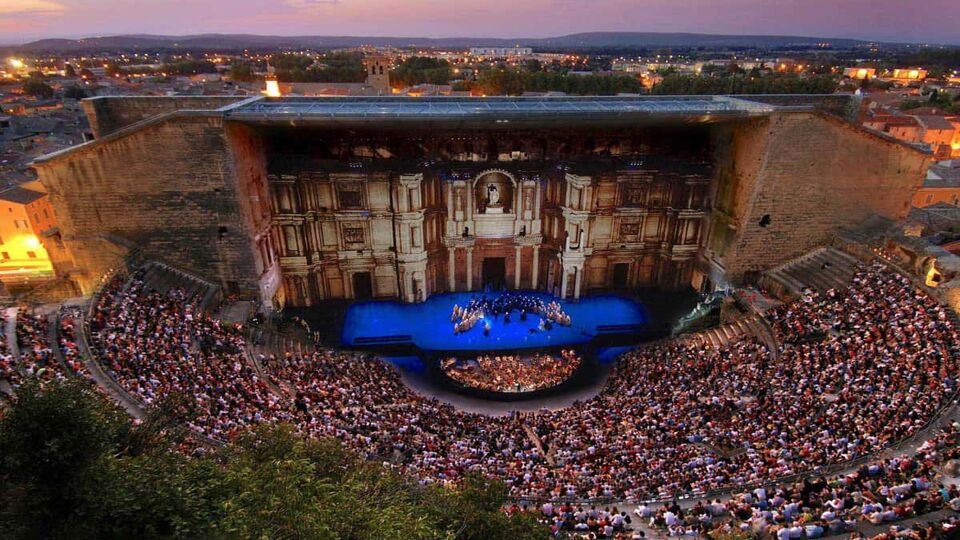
[[572, 41]]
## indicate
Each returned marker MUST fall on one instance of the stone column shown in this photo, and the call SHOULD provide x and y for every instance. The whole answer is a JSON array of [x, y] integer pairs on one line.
[[469, 268], [563, 282], [576, 283], [348, 285], [536, 267], [517, 268], [536, 203], [452, 268]]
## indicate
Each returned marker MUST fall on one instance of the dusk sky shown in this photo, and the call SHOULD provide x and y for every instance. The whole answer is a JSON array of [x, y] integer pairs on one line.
[[896, 20]]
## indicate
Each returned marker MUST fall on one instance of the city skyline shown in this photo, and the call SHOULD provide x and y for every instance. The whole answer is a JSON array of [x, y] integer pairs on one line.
[[885, 20]]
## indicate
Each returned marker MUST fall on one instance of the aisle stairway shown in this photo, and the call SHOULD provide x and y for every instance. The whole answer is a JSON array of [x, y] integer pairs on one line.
[[719, 336], [8, 319], [820, 270]]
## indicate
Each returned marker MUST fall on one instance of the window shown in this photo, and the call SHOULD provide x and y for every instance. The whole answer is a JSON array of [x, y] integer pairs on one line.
[[46, 214], [6, 256], [929, 199], [350, 196], [31, 254]]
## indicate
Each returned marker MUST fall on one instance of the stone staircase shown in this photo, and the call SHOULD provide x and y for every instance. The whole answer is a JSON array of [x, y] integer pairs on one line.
[[719, 336], [821, 269]]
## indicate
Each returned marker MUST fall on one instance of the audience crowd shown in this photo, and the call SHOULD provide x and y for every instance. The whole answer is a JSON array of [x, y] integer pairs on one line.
[[856, 370], [68, 344], [36, 357], [157, 344], [512, 372], [8, 371], [881, 492]]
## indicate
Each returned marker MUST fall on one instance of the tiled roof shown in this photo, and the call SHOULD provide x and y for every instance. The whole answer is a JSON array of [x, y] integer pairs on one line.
[[20, 195]]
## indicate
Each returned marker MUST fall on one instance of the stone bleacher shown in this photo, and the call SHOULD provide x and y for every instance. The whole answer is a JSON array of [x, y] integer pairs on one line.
[[719, 336], [821, 269], [163, 278]]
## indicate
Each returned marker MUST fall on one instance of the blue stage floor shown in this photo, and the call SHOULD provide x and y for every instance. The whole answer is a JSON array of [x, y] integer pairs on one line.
[[428, 325]]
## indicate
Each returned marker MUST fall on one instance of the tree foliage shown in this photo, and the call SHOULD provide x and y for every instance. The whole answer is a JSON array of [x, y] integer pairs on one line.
[[941, 100], [677, 84], [333, 67], [74, 92], [37, 87], [74, 466], [421, 70], [189, 67], [241, 72], [505, 81]]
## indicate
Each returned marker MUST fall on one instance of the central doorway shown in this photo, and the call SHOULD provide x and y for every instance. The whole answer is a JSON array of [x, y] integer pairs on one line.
[[494, 273], [362, 286], [620, 271]]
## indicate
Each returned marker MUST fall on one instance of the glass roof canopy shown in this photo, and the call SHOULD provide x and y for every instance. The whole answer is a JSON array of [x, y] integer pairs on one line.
[[497, 109]]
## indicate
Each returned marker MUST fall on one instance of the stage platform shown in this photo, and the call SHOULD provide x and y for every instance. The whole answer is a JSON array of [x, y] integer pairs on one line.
[[383, 324]]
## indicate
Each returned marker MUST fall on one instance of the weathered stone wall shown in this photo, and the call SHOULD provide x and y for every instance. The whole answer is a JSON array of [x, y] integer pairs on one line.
[[193, 191], [168, 189], [798, 178], [247, 148], [838, 104], [108, 114]]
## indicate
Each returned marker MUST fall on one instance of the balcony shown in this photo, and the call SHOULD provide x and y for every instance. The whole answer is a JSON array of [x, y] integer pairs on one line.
[[494, 225]]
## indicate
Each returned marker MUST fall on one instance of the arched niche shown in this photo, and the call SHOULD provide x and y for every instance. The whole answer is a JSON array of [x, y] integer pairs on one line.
[[494, 192]]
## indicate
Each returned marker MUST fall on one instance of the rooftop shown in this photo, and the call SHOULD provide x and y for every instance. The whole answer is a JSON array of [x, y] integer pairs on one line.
[[944, 174], [20, 195], [500, 110]]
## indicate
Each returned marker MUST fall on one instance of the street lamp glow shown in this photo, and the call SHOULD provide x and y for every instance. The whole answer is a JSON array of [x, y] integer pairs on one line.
[[273, 88]]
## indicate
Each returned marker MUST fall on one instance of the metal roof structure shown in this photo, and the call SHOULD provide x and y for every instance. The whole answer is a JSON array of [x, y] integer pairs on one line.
[[492, 111]]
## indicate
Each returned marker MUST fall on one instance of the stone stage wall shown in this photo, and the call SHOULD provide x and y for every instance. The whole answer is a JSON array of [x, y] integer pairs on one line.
[[593, 209]]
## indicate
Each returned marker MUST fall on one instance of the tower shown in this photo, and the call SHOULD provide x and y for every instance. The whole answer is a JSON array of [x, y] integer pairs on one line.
[[378, 73]]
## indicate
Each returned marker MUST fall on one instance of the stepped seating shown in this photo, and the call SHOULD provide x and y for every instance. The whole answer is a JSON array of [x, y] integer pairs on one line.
[[719, 336], [163, 278], [820, 270]]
